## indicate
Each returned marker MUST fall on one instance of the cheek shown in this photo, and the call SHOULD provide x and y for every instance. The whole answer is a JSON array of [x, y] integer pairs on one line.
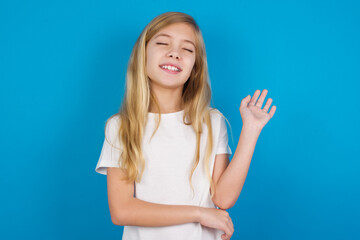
[[191, 64], [150, 61], [151, 57], [149, 69]]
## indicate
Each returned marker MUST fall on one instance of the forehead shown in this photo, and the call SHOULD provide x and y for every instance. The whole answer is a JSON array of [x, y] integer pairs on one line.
[[182, 31]]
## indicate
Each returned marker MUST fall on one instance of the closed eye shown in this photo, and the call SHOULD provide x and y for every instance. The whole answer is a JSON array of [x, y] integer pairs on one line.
[[167, 44]]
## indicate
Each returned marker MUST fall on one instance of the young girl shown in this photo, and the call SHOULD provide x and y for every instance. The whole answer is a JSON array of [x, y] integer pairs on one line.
[[166, 152]]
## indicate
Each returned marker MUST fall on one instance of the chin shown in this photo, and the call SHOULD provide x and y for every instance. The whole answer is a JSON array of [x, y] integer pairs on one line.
[[167, 84]]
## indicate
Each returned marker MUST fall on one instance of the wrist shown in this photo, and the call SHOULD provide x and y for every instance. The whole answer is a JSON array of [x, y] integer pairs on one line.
[[252, 128], [198, 213]]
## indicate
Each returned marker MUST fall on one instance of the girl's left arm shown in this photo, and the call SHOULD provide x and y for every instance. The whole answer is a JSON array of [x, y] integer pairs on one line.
[[230, 184], [231, 181]]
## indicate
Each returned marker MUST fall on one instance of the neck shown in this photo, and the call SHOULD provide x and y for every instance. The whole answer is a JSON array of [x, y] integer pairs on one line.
[[169, 100]]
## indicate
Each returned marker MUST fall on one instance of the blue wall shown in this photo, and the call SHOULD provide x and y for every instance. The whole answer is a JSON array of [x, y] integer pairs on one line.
[[62, 71]]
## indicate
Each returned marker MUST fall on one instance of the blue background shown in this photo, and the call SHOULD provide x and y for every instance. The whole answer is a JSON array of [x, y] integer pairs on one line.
[[62, 70]]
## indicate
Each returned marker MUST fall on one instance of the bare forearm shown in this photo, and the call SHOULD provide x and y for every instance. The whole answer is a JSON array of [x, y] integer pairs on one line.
[[230, 184], [142, 213]]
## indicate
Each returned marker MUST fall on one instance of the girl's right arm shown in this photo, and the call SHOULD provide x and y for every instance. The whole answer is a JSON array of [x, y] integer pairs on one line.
[[130, 211], [125, 210]]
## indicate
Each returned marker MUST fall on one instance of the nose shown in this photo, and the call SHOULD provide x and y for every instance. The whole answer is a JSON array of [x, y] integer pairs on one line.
[[174, 54]]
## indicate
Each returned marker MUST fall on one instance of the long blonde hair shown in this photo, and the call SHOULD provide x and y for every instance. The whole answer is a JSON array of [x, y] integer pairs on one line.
[[196, 97]]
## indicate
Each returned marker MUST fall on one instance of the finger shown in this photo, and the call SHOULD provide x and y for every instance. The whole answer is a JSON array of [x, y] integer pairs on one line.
[[267, 105], [231, 227], [225, 237], [260, 101], [253, 99], [227, 230], [227, 227], [272, 111], [230, 223]]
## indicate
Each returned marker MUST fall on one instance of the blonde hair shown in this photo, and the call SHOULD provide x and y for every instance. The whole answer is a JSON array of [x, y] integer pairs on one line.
[[196, 97]]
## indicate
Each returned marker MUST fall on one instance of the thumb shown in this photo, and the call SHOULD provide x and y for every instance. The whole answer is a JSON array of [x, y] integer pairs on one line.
[[245, 101]]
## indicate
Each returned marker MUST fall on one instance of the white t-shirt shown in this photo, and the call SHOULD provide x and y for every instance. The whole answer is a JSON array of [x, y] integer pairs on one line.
[[168, 162]]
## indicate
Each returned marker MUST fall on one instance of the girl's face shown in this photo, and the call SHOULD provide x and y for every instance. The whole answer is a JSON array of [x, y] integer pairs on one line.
[[171, 56]]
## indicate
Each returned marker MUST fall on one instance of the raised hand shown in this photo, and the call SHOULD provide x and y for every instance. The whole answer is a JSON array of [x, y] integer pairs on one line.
[[251, 113]]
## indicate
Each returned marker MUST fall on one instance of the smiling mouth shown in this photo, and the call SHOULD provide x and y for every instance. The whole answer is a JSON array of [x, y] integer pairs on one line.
[[170, 70]]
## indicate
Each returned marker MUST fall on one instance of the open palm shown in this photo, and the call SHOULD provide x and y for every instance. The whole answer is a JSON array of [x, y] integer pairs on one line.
[[251, 112]]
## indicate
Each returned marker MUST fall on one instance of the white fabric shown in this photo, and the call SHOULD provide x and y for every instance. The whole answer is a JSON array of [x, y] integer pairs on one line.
[[168, 161]]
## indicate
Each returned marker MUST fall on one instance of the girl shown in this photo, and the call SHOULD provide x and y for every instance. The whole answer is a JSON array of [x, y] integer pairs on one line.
[[166, 152]]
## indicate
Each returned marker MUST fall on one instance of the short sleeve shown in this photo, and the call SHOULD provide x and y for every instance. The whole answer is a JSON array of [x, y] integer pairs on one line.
[[222, 141], [111, 149]]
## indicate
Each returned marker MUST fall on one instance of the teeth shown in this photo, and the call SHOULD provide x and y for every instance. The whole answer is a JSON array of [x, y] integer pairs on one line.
[[170, 68]]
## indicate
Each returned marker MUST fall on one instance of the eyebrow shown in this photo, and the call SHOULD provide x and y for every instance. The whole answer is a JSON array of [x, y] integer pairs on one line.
[[167, 35]]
